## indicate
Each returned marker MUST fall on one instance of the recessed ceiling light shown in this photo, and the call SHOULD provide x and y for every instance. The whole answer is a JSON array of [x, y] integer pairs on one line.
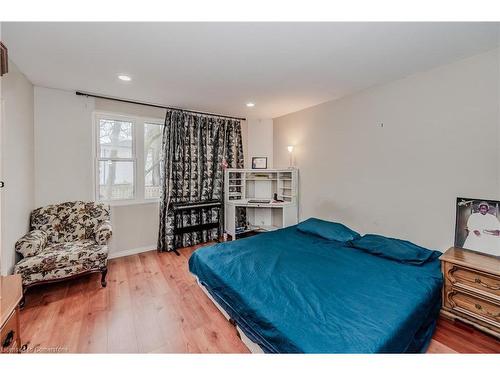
[[249, 105], [124, 77]]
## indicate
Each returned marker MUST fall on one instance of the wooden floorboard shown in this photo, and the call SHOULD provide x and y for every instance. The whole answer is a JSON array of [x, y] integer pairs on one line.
[[152, 304]]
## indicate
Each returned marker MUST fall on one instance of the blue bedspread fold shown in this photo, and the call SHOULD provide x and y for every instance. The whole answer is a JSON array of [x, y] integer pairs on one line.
[[293, 292]]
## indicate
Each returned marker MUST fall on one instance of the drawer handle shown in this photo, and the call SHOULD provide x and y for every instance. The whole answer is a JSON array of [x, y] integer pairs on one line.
[[8, 339], [477, 280], [479, 307]]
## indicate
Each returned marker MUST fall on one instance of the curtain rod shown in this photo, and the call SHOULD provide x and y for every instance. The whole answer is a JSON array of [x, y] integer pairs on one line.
[[155, 105]]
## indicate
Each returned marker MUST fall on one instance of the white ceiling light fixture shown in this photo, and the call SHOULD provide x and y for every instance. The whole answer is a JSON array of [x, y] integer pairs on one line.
[[124, 77], [250, 105]]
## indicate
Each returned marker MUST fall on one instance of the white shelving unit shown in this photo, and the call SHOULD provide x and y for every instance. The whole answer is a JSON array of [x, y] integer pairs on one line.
[[242, 186]]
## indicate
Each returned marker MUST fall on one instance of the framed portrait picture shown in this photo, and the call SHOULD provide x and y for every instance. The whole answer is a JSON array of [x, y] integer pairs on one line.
[[259, 162], [477, 225]]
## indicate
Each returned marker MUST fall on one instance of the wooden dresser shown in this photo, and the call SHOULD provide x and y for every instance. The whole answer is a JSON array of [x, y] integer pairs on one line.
[[10, 295], [471, 290]]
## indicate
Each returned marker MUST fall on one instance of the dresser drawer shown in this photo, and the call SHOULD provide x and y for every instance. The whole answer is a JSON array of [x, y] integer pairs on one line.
[[9, 334], [472, 305], [476, 281]]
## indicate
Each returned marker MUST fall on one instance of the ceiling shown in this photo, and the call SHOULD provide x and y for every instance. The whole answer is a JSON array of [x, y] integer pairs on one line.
[[218, 67]]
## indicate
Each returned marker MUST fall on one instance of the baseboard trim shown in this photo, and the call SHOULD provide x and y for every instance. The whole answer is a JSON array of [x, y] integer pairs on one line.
[[128, 252]]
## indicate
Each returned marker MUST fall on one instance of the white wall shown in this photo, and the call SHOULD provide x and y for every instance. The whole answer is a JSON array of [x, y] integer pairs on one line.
[[135, 228], [17, 162], [63, 145], [259, 141], [64, 165], [439, 140]]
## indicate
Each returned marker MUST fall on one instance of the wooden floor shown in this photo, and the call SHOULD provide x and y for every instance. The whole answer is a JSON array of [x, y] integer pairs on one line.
[[152, 304]]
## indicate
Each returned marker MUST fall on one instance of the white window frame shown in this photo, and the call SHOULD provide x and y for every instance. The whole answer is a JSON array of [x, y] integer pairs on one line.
[[137, 155], [154, 121]]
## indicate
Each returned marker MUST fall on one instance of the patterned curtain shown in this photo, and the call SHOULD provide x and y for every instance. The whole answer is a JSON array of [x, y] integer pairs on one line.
[[194, 150]]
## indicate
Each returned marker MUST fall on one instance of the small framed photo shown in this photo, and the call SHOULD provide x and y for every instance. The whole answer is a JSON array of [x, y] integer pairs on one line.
[[477, 225], [259, 162]]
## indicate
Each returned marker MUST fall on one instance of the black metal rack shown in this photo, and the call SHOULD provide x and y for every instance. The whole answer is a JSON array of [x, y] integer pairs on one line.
[[198, 207]]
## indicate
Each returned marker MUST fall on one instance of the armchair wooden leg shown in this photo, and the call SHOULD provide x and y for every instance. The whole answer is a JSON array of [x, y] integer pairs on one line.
[[104, 272], [23, 299]]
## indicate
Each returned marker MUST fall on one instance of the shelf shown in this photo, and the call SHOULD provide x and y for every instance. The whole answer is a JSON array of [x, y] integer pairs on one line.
[[266, 228], [245, 231], [244, 203], [261, 179], [259, 228]]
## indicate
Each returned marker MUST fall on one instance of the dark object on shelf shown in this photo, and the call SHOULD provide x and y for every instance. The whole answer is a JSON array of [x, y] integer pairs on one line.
[[4, 59], [197, 208]]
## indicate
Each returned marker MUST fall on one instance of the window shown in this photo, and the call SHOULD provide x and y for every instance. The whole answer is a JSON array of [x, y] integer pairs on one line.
[[116, 161], [127, 158]]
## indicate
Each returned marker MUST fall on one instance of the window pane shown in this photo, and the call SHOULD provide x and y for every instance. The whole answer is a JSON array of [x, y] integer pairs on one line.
[[115, 139], [116, 180], [152, 147]]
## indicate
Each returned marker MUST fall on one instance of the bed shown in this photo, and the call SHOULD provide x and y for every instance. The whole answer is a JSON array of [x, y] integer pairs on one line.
[[290, 291]]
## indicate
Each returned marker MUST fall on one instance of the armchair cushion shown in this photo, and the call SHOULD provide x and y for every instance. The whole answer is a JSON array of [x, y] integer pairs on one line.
[[62, 260], [103, 233], [32, 243]]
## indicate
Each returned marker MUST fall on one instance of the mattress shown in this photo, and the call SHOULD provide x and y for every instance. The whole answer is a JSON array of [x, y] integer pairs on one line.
[[291, 292], [252, 346]]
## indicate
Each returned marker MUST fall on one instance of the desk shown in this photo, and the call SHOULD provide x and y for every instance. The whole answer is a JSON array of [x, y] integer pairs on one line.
[[260, 216], [244, 185]]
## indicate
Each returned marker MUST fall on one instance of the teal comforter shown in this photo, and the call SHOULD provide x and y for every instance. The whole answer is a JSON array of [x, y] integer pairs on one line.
[[293, 292]]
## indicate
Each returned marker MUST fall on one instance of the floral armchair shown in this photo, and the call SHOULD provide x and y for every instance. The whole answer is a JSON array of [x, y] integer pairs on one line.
[[65, 240]]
